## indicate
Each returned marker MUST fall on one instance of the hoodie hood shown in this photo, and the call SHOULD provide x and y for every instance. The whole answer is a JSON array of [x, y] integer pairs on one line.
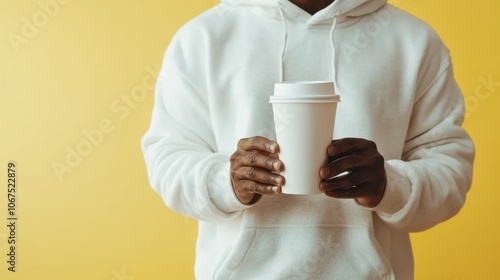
[[286, 11], [340, 9]]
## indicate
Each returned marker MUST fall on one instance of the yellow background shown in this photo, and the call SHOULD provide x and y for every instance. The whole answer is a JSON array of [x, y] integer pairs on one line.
[[85, 65]]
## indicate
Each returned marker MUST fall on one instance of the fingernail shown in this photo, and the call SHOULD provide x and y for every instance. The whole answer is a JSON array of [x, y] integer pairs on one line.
[[330, 151], [278, 180], [324, 172], [272, 147], [275, 189], [276, 166]]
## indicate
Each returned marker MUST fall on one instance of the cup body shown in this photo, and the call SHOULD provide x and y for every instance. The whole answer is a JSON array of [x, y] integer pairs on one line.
[[304, 126]]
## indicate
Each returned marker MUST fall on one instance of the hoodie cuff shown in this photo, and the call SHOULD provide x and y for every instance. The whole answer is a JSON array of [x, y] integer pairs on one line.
[[397, 190], [220, 190]]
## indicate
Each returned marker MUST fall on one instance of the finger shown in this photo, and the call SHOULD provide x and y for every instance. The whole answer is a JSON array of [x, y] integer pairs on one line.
[[258, 143], [355, 178], [342, 147], [358, 191], [260, 176], [347, 163], [254, 187], [257, 159]]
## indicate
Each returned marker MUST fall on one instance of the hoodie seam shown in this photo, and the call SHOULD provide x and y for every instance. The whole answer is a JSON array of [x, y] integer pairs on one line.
[[438, 77]]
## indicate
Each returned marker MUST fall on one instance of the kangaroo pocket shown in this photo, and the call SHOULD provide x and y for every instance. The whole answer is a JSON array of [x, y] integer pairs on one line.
[[333, 240]]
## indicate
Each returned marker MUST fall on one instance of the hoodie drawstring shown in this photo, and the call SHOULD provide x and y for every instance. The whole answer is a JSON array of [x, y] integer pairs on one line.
[[332, 44], [283, 50], [334, 53]]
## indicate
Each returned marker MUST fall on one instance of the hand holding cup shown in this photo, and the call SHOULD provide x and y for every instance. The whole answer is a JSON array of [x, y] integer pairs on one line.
[[253, 169], [363, 165]]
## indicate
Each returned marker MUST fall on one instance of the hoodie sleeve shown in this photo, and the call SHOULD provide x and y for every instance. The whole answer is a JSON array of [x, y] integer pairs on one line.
[[183, 164], [430, 183]]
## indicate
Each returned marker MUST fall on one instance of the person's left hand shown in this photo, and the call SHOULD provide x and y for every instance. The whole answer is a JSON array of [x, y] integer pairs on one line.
[[365, 179]]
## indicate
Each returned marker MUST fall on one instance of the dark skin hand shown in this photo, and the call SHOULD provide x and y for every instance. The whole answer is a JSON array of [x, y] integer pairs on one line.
[[255, 163], [365, 167], [312, 6], [253, 169]]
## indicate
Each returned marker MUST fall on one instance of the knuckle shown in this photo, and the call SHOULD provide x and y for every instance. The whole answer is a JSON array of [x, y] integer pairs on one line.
[[354, 161], [250, 173], [254, 142], [350, 142], [252, 157], [380, 160], [269, 178], [371, 145], [234, 158], [242, 142], [233, 173], [253, 187], [235, 161], [377, 160], [355, 178]]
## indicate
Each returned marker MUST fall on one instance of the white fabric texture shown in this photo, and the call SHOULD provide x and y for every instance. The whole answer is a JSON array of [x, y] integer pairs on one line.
[[395, 79]]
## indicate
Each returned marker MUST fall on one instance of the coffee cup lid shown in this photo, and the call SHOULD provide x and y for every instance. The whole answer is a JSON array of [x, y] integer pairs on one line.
[[301, 88]]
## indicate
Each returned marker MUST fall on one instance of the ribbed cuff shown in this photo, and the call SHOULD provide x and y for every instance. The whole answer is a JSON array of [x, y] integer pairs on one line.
[[397, 190], [220, 190]]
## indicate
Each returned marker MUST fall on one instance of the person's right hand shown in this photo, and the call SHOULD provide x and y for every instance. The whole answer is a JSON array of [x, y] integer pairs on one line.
[[252, 169]]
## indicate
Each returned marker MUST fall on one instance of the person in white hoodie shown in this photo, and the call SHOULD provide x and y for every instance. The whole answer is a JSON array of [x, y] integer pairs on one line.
[[211, 153]]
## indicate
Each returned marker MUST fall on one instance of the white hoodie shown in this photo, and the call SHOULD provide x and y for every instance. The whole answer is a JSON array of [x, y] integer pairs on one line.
[[396, 83]]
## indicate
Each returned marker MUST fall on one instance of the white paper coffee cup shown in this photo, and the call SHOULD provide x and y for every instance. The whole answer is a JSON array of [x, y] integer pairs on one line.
[[304, 116]]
